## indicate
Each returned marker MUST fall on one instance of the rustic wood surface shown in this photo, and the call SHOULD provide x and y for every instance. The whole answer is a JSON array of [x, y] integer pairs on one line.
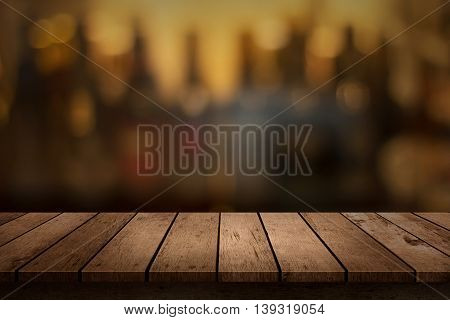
[[430, 264], [127, 256], [19, 226], [439, 218], [16, 253], [190, 250], [244, 251], [363, 257], [301, 254], [226, 247], [67, 257], [429, 232], [9, 216]]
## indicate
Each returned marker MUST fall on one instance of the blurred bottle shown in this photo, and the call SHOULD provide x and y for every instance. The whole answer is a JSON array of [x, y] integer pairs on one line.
[[136, 109], [194, 99], [88, 165], [291, 59], [29, 173], [251, 99], [142, 79]]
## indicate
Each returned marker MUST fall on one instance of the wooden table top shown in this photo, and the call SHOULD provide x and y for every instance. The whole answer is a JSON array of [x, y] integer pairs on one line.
[[225, 247]]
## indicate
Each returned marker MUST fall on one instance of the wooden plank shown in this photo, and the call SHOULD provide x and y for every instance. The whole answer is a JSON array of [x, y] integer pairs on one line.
[[302, 256], [244, 252], [126, 257], [16, 253], [9, 216], [189, 252], [364, 258], [21, 225], [429, 232], [440, 218], [63, 261], [430, 264]]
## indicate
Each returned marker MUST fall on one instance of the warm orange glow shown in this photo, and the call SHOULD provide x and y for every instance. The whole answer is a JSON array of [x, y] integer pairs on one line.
[[81, 116], [218, 24], [352, 95], [111, 34], [325, 42], [39, 39]]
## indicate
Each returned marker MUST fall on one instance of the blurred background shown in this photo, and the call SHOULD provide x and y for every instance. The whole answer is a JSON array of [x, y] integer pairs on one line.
[[381, 136]]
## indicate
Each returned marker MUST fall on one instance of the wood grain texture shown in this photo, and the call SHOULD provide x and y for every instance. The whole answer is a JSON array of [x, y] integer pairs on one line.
[[244, 251], [21, 225], [123, 247], [63, 261], [440, 218], [302, 256], [9, 216], [189, 252], [364, 258], [430, 264], [429, 232], [126, 257], [21, 250]]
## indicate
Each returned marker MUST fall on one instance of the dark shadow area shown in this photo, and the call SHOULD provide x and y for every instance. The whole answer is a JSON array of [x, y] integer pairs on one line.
[[231, 291]]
